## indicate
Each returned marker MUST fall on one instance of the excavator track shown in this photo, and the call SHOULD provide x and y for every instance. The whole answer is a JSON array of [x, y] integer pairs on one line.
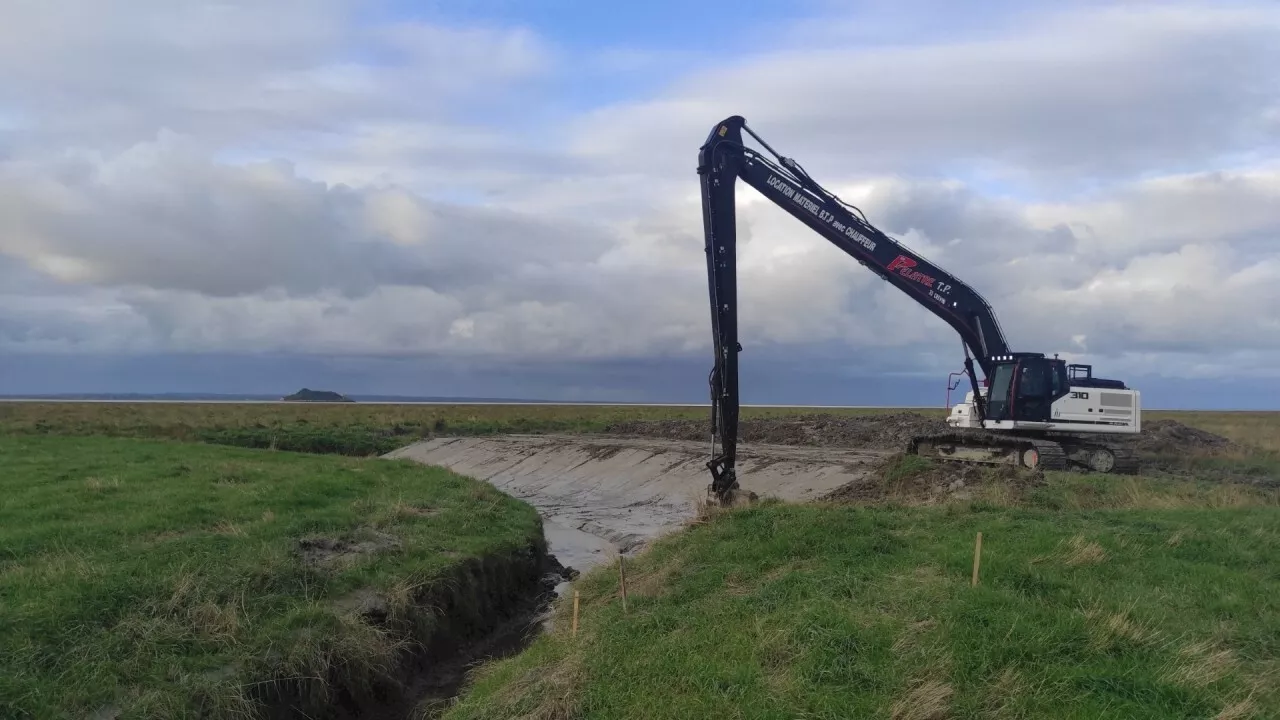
[[992, 448], [1109, 458], [1127, 461], [1037, 453]]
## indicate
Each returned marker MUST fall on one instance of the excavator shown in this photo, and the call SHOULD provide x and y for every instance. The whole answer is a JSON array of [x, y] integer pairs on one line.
[[1029, 410]]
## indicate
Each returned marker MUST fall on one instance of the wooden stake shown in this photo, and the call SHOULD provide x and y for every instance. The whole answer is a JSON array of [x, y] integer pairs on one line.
[[977, 558], [622, 579], [575, 613]]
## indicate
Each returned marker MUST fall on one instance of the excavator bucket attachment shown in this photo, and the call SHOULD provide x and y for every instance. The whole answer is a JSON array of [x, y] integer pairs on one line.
[[733, 497]]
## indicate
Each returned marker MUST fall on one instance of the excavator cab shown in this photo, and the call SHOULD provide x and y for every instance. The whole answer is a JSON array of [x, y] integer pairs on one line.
[[1024, 387]]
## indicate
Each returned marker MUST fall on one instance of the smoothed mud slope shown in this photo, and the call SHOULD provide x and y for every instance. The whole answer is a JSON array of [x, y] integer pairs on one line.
[[603, 495]]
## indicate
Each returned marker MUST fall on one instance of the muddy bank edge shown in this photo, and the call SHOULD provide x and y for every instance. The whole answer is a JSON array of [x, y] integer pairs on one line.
[[478, 604]]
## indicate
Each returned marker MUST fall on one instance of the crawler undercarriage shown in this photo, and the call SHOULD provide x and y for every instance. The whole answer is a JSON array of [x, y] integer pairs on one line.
[[1044, 451]]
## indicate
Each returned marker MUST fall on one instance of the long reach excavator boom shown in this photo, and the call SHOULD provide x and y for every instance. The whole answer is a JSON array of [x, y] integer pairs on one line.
[[1029, 379]]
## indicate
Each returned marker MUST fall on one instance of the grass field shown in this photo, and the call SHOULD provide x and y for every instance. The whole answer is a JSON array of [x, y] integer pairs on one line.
[[141, 570], [357, 429], [345, 428], [1167, 606], [163, 578]]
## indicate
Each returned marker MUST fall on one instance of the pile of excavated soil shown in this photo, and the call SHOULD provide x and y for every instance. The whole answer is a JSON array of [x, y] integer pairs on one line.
[[939, 482], [1170, 437], [892, 431], [1169, 446], [883, 431]]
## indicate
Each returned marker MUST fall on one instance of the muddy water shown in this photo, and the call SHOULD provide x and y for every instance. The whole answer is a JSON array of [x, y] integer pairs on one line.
[[602, 496]]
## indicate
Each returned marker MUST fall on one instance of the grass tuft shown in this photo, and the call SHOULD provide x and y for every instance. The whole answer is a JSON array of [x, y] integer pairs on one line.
[[1201, 664], [1238, 710], [926, 700], [1083, 552]]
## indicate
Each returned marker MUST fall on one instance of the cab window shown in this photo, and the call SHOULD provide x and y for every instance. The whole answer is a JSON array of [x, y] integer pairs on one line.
[[1032, 381], [1061, 383]]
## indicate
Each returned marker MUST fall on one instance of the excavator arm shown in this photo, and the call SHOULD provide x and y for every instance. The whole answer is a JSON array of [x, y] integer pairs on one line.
[[724, 159]]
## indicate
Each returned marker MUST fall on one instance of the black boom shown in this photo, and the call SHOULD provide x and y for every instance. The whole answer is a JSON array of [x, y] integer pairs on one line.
[[721, 161]]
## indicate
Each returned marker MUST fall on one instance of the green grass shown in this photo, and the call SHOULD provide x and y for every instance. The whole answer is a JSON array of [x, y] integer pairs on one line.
[[162, 578], [180, 418], [345, 428], [159, 576], [188, 420], [1156, 600], [348, 428], [365, 429]]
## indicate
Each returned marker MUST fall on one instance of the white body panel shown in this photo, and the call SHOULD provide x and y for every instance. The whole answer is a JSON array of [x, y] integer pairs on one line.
[[1099, 410], [964, 415], [1083, 411]]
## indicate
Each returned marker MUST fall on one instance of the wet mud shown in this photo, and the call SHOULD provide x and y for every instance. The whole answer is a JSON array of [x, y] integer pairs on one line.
[[600, 496], [328, 551]]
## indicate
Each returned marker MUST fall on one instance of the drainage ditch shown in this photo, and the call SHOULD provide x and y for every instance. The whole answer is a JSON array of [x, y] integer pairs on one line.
[[485, 609]]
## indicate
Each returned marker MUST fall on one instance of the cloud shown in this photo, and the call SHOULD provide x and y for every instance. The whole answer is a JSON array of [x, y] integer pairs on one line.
[[1178, 264], [1099, 93], [409, 189], [207, 258], [1234, 207], [163, 215], [246, 73]]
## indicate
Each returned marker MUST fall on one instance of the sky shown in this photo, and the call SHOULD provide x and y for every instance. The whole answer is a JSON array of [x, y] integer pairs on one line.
[[499, 198]]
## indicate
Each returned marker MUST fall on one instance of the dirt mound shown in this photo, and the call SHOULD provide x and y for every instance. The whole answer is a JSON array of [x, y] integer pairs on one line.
[[1170, 437], [904, 478], [884, 431]]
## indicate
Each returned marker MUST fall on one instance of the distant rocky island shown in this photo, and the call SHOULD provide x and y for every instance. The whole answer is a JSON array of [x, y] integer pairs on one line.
[[308, 395]]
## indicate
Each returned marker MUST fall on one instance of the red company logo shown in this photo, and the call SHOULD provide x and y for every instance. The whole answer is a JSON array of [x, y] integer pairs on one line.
[[903, 265]]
